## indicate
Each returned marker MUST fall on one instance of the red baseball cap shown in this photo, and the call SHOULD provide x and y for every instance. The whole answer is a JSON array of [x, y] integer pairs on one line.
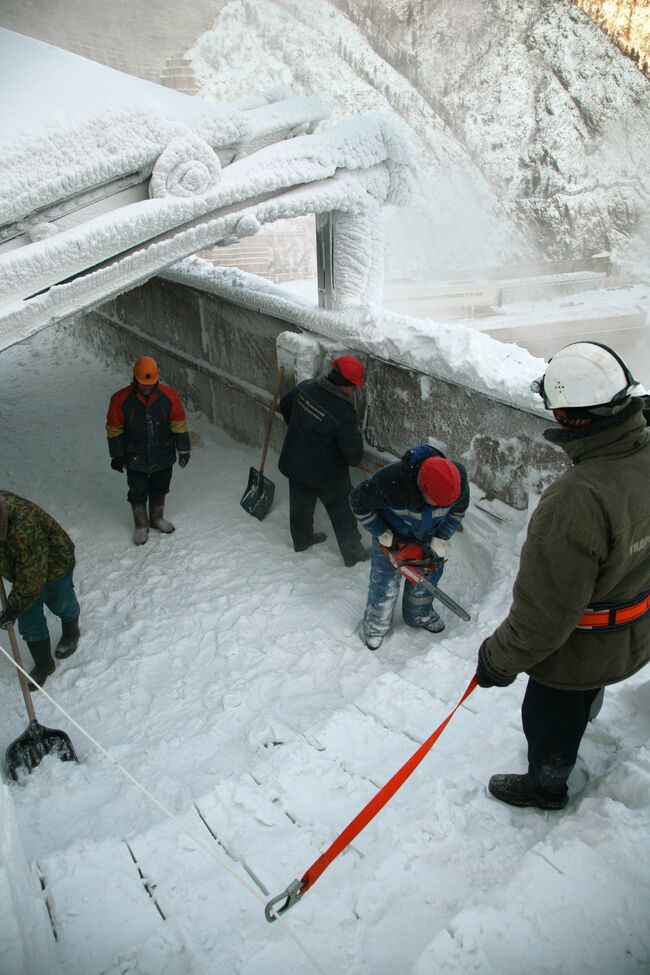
[[439, 481], [350, 368]]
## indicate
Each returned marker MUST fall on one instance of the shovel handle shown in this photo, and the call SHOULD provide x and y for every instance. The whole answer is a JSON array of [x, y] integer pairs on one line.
[[16, 652], [276, 397]]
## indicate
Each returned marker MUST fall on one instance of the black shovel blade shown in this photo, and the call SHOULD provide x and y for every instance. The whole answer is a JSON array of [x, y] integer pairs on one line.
[[258, 496], [27, 752]]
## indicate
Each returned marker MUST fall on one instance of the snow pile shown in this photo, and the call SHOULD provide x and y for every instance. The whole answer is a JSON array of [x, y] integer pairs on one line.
[[226, 674]]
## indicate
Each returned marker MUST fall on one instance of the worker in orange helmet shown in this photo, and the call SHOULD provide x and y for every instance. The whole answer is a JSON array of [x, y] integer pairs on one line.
[[146, 429]]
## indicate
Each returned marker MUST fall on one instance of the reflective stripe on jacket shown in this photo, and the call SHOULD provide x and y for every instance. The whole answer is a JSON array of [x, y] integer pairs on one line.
[[147, 430]]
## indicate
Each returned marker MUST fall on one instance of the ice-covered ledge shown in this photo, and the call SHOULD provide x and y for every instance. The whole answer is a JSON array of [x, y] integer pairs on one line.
[[221, 333], [451, 352]]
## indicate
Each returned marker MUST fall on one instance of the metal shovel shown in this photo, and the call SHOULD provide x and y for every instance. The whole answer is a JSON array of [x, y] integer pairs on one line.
[[260, 491], [26, 753]]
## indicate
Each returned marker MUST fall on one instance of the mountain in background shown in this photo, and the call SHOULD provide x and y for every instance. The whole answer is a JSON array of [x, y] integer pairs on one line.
[[531, 128], [627, 22]]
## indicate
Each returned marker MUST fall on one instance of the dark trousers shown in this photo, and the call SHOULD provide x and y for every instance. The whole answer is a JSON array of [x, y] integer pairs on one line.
[[302, 504], [554, 722], [143, 485]]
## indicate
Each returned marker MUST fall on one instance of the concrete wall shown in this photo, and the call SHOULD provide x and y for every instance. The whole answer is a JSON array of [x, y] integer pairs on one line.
[[219, 357], [223, 357]]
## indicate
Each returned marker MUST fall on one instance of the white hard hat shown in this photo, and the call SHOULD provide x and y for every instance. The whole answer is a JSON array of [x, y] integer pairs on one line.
[[585, 374]]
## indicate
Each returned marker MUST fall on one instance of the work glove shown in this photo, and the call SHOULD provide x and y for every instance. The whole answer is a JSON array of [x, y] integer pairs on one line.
[[487, 675], [389, 540], [118, 464], [439, 547], [8, 617], [183, 459]]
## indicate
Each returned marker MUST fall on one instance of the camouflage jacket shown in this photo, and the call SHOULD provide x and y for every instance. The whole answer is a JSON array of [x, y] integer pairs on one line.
[[34, 549]]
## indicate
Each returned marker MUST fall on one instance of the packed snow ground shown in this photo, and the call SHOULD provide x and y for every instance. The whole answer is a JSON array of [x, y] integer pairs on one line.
[[226, 674]]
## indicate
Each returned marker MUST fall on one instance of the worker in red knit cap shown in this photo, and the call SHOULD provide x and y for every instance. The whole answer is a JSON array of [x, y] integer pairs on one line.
[[323, 441], [422, 498]]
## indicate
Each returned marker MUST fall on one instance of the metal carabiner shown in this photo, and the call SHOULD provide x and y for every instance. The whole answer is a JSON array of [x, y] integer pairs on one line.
[[293, 893]]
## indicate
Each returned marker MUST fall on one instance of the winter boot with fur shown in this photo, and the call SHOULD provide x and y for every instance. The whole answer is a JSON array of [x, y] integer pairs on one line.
[[156, 520], [69, 639], [141, 533], [41, 652]]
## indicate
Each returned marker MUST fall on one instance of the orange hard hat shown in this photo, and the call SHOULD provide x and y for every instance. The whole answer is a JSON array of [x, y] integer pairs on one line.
[[145, 370]]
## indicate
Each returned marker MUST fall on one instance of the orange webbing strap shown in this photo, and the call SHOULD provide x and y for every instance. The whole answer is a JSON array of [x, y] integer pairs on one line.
[[298, 887], [614, 616]]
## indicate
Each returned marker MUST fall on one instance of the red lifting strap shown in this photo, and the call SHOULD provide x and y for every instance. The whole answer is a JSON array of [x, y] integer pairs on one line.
[[361, 820]]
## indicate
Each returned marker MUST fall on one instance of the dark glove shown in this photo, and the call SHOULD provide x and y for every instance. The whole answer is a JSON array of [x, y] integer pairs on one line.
[[183, 459], [487, 675], [8, 616], [118, 464]]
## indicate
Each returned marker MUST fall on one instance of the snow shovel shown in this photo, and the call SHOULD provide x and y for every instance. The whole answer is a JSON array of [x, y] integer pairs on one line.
[[26, 753], [260, 491]]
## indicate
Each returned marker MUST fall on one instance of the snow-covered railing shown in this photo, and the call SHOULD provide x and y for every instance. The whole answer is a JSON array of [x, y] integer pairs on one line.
[[351, 170]]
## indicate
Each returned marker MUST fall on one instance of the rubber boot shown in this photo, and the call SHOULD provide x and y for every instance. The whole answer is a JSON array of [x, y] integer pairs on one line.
[[156, 520], [41, 652], [69, 639], [141, 533]]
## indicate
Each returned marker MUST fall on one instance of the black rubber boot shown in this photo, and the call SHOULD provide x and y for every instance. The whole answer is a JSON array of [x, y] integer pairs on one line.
[[156, 520], [317, 538], [141, 533], [516, 790], [69, 639], [41, 652]]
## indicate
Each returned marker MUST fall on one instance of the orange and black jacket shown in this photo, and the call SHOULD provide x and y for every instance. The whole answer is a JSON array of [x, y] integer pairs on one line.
[[147, 430]]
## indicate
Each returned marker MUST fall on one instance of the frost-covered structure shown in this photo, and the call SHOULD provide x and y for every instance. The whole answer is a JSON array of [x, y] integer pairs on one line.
[[105, 180]]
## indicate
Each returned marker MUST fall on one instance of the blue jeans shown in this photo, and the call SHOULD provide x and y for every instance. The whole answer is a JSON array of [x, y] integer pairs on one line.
[[383, 590], [60, 598]]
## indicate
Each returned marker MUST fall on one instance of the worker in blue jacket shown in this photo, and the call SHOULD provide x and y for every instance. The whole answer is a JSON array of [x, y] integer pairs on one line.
[[421, 498]]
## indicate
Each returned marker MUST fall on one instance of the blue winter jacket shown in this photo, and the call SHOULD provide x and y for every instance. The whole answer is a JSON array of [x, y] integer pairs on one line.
[[391, 499]]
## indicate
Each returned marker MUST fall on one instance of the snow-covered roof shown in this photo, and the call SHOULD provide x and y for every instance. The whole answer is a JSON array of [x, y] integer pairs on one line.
[[106, 179]]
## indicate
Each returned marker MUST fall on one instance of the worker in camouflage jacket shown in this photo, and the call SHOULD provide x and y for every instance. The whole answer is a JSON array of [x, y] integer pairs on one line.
[[146, 429], [580, 615], [422, 498], [323, 441], [37, 557]]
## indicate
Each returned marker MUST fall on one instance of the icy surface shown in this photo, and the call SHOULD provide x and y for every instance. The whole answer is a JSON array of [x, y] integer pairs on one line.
[[227, 675]]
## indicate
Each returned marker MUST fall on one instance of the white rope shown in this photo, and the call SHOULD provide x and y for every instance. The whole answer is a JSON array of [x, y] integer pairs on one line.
[[169, 814]]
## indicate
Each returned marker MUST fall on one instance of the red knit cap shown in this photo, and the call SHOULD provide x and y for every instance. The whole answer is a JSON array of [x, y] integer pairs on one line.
[[350, 368], [439, 481]]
